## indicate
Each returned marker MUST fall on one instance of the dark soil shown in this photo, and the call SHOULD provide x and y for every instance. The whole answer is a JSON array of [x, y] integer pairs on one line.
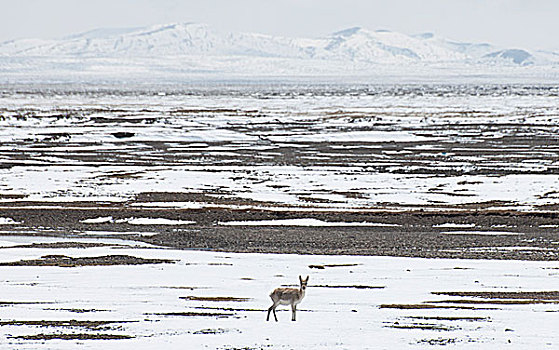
[[541, 295], [321, 267], [449, 318], [211, 331], [72, 336], [62, 245], [195, 314], [93, 325], [195, 298], [79, 311], [494, 302], [424, 327], [10, 303], [66, 261], [348, 286], [438, 341], [430, 306], [231, 309]]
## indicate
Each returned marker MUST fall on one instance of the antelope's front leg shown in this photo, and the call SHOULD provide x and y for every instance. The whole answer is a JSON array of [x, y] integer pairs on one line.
[[293, 309]]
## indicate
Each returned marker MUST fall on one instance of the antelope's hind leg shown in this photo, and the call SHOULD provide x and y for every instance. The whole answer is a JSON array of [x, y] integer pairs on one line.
[[272, 308]]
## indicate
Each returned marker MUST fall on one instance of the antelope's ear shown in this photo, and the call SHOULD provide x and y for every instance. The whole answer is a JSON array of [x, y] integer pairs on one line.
[[307, 279], [300, 279]]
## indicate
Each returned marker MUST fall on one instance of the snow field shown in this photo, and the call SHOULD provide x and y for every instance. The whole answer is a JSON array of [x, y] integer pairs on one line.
[[327, 318]]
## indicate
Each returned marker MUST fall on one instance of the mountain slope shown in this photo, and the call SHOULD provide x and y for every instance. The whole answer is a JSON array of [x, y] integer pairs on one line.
[[517, 56], [161, 40], [179, 39], [386, 46], [190, 48]]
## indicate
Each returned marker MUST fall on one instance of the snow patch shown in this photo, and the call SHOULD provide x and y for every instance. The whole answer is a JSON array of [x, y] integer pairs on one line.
[[99, 220], [153, 221], [118, 233], [486, 233], [181, 205], [454, 225], [8, 221], [303, 222]]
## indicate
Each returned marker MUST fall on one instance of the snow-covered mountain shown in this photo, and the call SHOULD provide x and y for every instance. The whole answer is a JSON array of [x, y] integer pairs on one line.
[[386, 46], [199, 47], [355, 44], [471, 50], [161, 40]]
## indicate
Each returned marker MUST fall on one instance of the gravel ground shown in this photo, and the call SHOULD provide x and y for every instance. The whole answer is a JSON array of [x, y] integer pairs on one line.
[[416, 236]]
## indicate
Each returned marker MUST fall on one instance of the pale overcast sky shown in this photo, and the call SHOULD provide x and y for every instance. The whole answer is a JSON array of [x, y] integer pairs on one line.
[[531, 24]]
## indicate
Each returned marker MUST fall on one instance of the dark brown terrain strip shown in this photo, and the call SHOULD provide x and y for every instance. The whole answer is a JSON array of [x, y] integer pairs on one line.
[[66, 261]]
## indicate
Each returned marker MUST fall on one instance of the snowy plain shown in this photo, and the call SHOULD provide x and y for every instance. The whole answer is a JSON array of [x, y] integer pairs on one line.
[[342, 307], [458, 133], [59, 151]]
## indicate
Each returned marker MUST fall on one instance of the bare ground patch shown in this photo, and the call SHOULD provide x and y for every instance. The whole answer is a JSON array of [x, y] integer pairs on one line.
[[64, 245], [11, 303], [450, 318], [215, 331], [72, 336], [430, 306], [539, 295], [229, 309], [438, 341], [91, 325], [196, 298], [184, 287], [347, 286], [321, 267], [424, 326], [107, 260], [195, 314], [78, 310], [494, 302]]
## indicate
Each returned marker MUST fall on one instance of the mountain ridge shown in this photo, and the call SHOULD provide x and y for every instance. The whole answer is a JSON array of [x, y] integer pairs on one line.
[[172, 50], [178, 39]]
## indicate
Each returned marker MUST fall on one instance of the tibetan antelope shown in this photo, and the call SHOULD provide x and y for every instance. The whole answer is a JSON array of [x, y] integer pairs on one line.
[[288, 296]]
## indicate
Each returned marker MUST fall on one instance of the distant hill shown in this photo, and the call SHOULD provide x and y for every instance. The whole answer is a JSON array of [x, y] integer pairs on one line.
[[197, 48]]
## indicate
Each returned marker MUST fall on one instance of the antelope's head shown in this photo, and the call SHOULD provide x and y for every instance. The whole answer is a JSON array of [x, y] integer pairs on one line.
[[303, 282]]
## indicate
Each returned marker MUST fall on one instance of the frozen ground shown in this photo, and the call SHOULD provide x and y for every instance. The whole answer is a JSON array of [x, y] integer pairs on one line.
[[466, 171], [218, 300], [362, 177], [320, 147]]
